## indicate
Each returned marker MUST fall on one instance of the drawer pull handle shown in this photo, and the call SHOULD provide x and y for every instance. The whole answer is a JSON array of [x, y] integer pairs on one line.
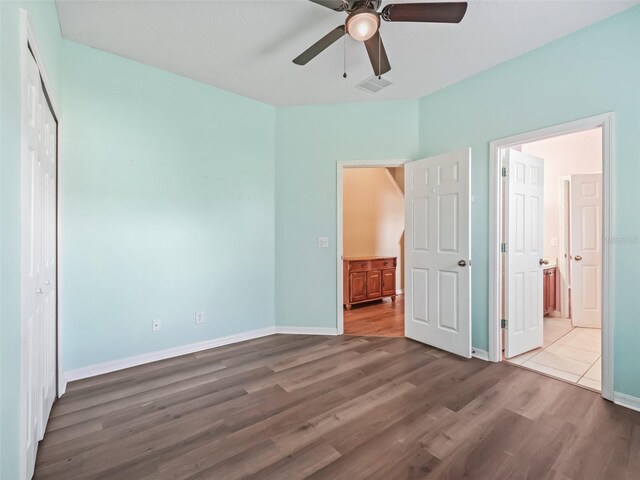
[[363, 265], [385, 263]]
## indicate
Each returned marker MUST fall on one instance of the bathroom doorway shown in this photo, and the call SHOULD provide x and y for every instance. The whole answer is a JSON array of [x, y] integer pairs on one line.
[[552, 255]]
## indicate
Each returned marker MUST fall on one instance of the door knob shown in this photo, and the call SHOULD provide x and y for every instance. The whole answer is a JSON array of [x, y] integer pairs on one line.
[[462, 263], [543, 262], [39, 291], [577, 258]]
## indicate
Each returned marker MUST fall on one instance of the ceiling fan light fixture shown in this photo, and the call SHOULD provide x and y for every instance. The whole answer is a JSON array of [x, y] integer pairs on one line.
[[363, 24]]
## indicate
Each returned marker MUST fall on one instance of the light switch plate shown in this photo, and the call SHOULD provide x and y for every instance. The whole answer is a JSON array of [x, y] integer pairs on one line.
[[155, 325], [554, 242], [199, 317], [323, 242]]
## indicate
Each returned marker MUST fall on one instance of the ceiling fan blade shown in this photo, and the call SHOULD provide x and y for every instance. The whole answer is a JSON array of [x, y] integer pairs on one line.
[[337, 5], [377, 55], [449, 12], [318, 47]]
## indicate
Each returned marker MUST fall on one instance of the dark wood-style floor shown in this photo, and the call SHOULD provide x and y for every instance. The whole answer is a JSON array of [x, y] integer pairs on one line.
[[382, 318], [290, 407]]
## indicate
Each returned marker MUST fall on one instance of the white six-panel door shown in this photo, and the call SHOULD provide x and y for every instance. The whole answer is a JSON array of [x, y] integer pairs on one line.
[[437, 251], [524, 189], [586, 250], [48, 278], [38, 263]]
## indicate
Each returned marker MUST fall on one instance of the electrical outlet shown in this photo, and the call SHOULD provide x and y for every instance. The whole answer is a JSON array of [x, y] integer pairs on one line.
[[199, 317], [155, 325]]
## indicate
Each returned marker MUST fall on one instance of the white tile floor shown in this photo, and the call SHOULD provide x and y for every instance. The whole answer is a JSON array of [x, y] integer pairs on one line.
[[569, 353]]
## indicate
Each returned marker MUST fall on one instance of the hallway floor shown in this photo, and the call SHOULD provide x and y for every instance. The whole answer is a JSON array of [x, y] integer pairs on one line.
[[380, 318], [569, 353]]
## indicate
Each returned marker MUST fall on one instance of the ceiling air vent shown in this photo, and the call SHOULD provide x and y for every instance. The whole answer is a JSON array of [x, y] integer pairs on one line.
[[374, 84]]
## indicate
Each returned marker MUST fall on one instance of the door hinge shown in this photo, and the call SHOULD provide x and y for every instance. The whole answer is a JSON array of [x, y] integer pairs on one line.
[[503, 247], [503, 323], [504, 171]]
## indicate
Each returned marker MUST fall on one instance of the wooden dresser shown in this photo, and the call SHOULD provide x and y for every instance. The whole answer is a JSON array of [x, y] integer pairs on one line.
[[368, 278]]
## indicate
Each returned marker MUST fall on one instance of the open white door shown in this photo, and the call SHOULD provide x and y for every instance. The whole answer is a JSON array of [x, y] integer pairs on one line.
[[524, 192], [438, 250], [586, 250]]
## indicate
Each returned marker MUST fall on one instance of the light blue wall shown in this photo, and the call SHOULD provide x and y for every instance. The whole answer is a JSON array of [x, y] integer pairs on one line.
[[593, 71], [168, 209], [44, 21], [310, 140]]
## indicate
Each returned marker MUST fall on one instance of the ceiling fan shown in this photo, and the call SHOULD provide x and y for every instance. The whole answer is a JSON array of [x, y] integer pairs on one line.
[[363, 25]]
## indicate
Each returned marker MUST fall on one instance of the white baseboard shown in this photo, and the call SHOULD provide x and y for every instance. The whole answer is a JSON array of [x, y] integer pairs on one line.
[[479, 353], [306, 330], [112, 366], [628, 401]]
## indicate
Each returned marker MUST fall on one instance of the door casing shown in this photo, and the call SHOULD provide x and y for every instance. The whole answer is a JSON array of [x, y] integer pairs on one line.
[[606, 122]]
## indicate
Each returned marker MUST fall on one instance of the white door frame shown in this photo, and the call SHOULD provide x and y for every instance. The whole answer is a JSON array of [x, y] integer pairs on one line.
[[339, 227], [606, 121], [28, 39]]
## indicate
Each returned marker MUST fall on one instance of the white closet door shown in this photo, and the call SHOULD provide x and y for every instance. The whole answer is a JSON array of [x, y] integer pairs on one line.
[[38, 264], [48, 277]]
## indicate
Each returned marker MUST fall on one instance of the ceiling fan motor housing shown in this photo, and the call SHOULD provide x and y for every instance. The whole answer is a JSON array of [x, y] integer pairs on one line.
[[352, 5], [362, 24]]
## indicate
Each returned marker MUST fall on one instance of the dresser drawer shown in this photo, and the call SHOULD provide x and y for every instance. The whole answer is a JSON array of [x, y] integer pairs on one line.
[[383, 264], [359, 265]]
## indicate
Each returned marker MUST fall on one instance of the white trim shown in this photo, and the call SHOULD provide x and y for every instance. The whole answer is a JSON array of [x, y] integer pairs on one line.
[[479, 353], [114, 365], [606, 121], [306, 330], [628, 401], [340, 165]]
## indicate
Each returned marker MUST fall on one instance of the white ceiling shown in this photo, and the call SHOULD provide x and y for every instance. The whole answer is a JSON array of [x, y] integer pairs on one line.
[[247, 46]]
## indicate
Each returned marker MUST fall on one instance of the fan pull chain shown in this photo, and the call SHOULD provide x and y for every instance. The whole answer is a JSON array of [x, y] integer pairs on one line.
[[379, 56], [344, 43]]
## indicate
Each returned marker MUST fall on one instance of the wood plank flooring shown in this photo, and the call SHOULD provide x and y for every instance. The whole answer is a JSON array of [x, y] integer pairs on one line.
[[293, 407], [379, 318]]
